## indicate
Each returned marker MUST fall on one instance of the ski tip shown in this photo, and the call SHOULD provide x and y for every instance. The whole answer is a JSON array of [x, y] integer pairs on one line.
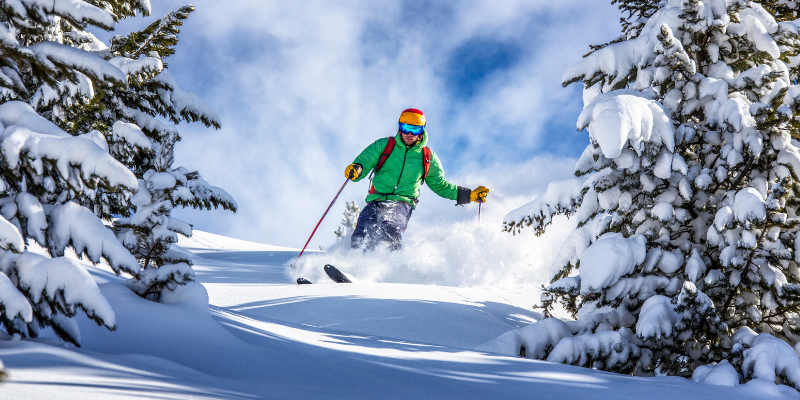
[[303, 281], [336, 275]]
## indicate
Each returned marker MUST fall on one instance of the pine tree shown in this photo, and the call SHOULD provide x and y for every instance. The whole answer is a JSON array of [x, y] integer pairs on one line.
[[46, 173], [349, 220], [80, 136], [687, 246], [140, 140]]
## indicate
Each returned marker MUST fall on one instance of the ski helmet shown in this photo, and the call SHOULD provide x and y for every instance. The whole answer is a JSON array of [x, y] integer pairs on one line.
[[412, 116]]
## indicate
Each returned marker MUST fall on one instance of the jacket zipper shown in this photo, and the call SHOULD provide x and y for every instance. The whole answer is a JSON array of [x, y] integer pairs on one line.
[[401, 170]]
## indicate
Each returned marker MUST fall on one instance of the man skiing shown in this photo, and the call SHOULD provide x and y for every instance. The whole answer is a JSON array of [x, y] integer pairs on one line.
[[399, 166]]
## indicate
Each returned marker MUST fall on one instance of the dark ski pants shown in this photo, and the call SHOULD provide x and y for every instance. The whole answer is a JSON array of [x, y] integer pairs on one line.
[[381, 222]]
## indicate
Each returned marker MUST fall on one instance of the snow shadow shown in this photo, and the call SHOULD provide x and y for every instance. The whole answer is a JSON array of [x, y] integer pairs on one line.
[[246, 328], [464, 325], [405, 357], [78, 370], [242, 266], [282, 360], [446, 372], [250, 257]]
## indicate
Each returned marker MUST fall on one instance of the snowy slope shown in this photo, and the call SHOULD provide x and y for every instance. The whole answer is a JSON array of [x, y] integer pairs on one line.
[[264, 337], [238, 282]]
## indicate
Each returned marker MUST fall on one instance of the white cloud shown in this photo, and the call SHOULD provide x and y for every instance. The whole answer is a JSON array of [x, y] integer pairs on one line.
[[303, 87]]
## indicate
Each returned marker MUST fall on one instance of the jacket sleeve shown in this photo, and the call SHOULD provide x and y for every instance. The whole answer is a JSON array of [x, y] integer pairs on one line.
[[441, 186], [370, 156]]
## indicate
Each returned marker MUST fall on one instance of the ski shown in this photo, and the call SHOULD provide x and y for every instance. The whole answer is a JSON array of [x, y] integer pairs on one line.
[[303, 281], [335, 274]]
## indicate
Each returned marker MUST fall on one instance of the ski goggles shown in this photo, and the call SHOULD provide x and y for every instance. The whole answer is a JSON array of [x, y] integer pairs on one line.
[[409, 129]]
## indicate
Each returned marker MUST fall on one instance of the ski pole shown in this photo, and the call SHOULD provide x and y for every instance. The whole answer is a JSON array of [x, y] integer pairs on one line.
[[479, 210], [294, 264]]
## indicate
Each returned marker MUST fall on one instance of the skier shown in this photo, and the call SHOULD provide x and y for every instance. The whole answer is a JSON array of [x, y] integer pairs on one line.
[[399, 166]]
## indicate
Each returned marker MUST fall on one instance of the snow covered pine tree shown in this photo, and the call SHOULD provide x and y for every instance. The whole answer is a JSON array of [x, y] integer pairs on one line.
[[43, 168], [685, 259], [146, 145], [58, 182]]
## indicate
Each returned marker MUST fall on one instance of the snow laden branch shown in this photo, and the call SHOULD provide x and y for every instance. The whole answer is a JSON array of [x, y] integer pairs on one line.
[[144, 51], [62, 285], [138, 70], [624, 120], [150, 232], [79, 228], [686, 258], [160, 36], [184, 105], [29, 142], [13, 304], [31, 17], [61, 58], [43, 291], [55, 64], [560, 198], [79, 13]]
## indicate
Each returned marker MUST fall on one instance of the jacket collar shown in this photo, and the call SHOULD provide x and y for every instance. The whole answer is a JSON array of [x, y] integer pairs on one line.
[[418, 144]]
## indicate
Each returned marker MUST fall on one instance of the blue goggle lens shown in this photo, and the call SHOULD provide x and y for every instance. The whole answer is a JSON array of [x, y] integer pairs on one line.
[[409, 129]]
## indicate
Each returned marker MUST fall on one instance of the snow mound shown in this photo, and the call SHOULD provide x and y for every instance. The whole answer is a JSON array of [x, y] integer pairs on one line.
[[722, 374], [532, 341]]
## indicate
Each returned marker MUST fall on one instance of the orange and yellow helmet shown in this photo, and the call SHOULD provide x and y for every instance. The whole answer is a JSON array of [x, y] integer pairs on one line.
[[412, 116]]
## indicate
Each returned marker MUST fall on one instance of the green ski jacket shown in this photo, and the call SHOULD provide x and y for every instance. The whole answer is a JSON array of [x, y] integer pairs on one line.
[[400, 177]]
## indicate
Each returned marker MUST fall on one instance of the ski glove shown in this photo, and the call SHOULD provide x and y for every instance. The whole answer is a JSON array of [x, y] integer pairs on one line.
[[479, 194], [353, 171]]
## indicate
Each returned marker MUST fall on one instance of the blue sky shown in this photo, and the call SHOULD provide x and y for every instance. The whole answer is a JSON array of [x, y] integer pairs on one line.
[[303, 86]]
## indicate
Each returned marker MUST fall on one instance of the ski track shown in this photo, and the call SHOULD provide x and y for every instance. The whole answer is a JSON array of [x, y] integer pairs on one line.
[[262, 336]]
